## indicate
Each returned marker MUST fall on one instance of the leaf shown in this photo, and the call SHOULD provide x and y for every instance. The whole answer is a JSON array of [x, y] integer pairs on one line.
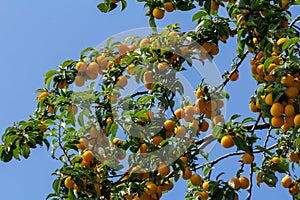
[[25, 151], [241, 144], [108, 41], [152, 24], [199, 15], [233, 117], [67, 63], [46, 142], [248, 119], [106, 7], [124, 5], [268, 62], [16, 154], [6, 156], [290, 42], [280, 167], [216, 132], [225, 94], [112, 129], [56, 186], [183, 6], [219, 175], [51, 195], [49, 76], [206, 171], [82, 54], [264, 150], [270, 179], [71, 194], [207, 6], [81, 117], [179, 87], [144, 99]]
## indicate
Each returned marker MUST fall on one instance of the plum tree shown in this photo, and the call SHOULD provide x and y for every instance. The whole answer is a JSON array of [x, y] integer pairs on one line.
[[94, 139]]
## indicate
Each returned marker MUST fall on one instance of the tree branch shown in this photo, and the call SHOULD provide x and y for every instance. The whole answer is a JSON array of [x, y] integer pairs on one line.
[[268, 136], [232, 154], [250, 182], [294, 21], [60, 144], [224, 83]]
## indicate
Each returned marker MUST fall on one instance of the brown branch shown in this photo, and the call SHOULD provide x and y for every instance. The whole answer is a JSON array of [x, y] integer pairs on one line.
[[294, 21], [224, 83], [139, 93], [171, 107], [60, 144], [267, 137], [257, 126], [209, 138], [232, 154], [256, 123], [250, 182]]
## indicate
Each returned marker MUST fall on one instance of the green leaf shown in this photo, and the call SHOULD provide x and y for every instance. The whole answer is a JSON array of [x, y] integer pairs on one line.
[[264, 150], [233, 117], [185, 6], [46, 142], [144, 99], [108, 41], [56, 186], [216, 132], [6, 156], [81, 117], [112, 129], [225, 94], [199, 15], [270, 179], [152, 24], [67, 63], [85, 51], [16, 154], [248, 119], [71, 194], [106, 7], [25, 151], [207, 6], [206, 171], [124, 5], [280, 167], [241, 144], [219, 175], [268, 62], [49, 76], [290, 42], [51, 195]]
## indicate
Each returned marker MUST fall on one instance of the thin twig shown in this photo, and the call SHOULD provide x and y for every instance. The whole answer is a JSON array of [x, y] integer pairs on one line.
[[139, 93], [294, 21], [232, 154], [171, 107], [267, 137], [250, 182], [256, 123], [60, 144], [297, 27], [251, 149], [209, 138], [223, 84]]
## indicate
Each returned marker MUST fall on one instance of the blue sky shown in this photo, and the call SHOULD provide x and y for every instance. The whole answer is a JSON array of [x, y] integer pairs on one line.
[[36, 36]]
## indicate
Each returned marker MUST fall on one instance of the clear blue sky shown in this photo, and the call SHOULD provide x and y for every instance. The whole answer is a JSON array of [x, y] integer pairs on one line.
[[36, 36]]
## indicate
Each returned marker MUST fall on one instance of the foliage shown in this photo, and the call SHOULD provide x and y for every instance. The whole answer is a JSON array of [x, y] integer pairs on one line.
[[91, 138]]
